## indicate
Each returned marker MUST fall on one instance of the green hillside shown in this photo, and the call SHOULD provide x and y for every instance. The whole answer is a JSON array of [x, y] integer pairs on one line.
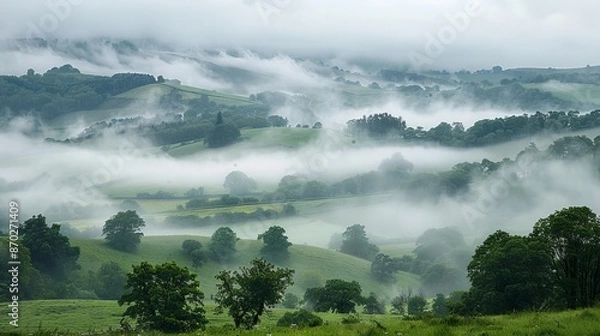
[[256, 138], [309, 262]]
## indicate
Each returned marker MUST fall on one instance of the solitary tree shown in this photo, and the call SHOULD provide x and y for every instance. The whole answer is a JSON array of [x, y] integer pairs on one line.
[[356, 243], [251, 291], [337, 295], [164, 297], [222, 244], [51, 252], [573, 237], [123, 231], [239, 183], [276, 243]]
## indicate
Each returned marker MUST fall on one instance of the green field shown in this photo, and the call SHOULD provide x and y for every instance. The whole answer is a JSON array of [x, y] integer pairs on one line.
[[320, 263], [576, 93], [86, 317], [257, 138]]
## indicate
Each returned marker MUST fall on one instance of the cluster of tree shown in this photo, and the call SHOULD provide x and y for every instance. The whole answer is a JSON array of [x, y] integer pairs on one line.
[[157, 195], [440, 259], [483, 132], [380, 125], [62, 90], [193, 249], [556, 266], [224, 200], [47, 260], [227, 217], [355, 242], [396, 173]]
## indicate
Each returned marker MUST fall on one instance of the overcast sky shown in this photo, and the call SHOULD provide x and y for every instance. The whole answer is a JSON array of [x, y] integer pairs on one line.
[[451, 34]]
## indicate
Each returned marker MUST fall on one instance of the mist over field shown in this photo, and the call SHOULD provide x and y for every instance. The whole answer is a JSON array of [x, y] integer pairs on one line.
[[407, 147]]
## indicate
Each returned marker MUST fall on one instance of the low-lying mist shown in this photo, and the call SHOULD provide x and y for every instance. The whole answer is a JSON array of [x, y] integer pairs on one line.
[[42, 175]]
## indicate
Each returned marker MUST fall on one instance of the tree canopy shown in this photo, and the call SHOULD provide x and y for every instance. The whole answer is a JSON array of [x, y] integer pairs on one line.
[[355, 242], [123, 231], [573, 237], [222, 244], [164, 297], [337, 295], [251, 291], [51, 252]]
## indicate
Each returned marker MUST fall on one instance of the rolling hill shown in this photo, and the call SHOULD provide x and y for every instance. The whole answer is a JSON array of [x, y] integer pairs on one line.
[[312, 264]]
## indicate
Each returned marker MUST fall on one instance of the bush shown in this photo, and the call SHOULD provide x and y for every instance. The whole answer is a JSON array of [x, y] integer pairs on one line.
[[301, 318], [351, 319]]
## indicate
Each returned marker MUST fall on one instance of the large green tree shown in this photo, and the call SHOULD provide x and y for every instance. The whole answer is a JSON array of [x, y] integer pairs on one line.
[[164, 297], [337, 295], [123, 231], [509, 273], [355, 242], [573, 237], [251, 291], [51, 252], [222, 243], [275, 243]]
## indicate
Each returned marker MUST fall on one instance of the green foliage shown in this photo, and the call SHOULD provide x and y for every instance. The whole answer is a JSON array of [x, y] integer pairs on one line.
[[164, 297], [508, 273], [29, 277], [123, 231], [572, 236], [275, 243], [51, 252], [439, 307], [222, 245], [337, 295], [196, 203], [290, 301], [398, 305], [379, 125], [222, 135], [112, 279], [356, 243], [300, 318], [373, 305], [383, 268], [192, 248], [249, 292], [416, 305], [239, 183], [190, 245]]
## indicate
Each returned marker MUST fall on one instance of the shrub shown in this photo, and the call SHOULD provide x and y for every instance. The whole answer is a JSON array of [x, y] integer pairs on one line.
[[301, 318], [351, 319]]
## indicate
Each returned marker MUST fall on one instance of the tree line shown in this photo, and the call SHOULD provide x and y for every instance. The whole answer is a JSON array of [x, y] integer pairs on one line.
[[483, 132]]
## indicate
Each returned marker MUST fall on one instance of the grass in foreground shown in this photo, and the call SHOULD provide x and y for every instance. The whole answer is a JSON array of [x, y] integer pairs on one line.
[[73, 317]]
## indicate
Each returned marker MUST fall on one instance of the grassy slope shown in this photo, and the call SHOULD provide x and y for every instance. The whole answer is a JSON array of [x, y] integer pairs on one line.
[[275, 137], [116, 106], [157, 249]]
